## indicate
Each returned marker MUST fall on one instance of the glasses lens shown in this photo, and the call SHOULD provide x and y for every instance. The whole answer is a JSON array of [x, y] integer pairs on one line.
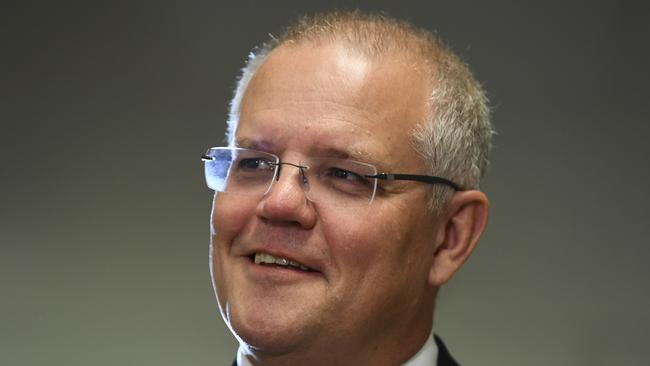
[[340, 182], [239, 171]]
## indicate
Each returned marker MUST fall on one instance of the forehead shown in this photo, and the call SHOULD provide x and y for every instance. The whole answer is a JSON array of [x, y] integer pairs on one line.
[[329, 97]]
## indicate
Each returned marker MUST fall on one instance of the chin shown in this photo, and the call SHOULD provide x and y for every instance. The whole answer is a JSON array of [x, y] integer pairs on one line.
[[259, 331], [270, 317]]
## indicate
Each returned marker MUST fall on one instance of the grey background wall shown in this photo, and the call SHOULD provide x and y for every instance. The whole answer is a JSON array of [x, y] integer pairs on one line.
[[107, 106]]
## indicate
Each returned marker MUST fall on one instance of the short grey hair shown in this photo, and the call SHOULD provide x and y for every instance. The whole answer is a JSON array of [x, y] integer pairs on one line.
[[454, 139]]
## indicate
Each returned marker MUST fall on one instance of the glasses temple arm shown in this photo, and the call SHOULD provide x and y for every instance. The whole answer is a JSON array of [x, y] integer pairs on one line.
[[419, 178]]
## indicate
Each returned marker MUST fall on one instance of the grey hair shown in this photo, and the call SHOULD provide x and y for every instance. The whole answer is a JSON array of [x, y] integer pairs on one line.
[[454, 139], [255, 60]]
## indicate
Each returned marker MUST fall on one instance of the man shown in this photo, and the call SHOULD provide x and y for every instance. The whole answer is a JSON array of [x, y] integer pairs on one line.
[[348, 193]]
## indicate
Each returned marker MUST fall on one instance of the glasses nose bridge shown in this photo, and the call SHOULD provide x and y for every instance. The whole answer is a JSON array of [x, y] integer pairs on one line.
[[302, 175], [301, 168]]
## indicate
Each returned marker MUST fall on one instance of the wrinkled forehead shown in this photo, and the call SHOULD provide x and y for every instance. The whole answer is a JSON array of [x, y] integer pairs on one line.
[[387, 88], [319, 67], [328, 92]]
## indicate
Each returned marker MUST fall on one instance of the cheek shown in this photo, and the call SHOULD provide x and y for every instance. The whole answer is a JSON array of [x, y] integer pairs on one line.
[[229, 216], [228, 219], [379, 247], [369, 255], [360, 241]]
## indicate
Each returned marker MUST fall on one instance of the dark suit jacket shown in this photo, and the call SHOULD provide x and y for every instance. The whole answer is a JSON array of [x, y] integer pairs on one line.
[[444, 358]]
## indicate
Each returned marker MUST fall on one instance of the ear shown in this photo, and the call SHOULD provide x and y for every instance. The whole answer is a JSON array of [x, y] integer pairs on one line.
[[462, 226]]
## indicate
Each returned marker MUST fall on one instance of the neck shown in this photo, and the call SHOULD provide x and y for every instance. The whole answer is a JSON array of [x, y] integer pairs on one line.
[[387, 345]]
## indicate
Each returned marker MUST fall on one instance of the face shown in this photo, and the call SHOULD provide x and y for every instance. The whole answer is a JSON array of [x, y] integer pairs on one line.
[[368, 266]]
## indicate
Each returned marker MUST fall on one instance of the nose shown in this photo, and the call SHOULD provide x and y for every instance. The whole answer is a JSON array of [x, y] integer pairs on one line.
[[286, 200]]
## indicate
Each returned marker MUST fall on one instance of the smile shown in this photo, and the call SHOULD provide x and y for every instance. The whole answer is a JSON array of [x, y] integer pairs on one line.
[[268, 259]]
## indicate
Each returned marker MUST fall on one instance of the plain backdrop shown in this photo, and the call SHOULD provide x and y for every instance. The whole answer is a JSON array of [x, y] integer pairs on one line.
[[106, 108]]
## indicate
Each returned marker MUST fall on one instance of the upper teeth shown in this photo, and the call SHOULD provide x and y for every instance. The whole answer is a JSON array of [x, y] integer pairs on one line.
[[267, 258]]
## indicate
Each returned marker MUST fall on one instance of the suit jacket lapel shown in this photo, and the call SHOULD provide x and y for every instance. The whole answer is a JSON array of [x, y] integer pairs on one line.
[[444, 358]]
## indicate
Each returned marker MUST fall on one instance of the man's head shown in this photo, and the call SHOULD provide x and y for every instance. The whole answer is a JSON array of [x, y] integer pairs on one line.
[[454, 136], [362, 89]]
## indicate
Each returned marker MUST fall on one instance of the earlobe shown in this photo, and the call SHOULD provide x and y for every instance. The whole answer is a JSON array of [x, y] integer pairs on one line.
[[465, 221]]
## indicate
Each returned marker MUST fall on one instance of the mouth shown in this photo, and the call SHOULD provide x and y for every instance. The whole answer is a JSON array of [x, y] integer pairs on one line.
[[266, 259]]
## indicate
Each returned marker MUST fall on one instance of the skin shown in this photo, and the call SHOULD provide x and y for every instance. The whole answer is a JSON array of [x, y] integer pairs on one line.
[[370, 298]]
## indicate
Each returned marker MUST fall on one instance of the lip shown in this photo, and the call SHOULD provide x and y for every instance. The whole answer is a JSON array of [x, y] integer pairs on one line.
[[275, 275], [311, 264]]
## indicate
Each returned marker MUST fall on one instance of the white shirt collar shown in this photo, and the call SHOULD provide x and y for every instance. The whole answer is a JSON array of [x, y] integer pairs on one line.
[[426, 356], [241, 358]]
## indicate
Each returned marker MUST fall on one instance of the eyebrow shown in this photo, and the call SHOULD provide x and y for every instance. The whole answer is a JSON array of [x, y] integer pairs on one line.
[[345, 154], [247, 143]]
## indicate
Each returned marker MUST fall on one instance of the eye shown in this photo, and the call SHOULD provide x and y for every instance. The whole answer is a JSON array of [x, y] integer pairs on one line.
[[346, 175], [255, 164]]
